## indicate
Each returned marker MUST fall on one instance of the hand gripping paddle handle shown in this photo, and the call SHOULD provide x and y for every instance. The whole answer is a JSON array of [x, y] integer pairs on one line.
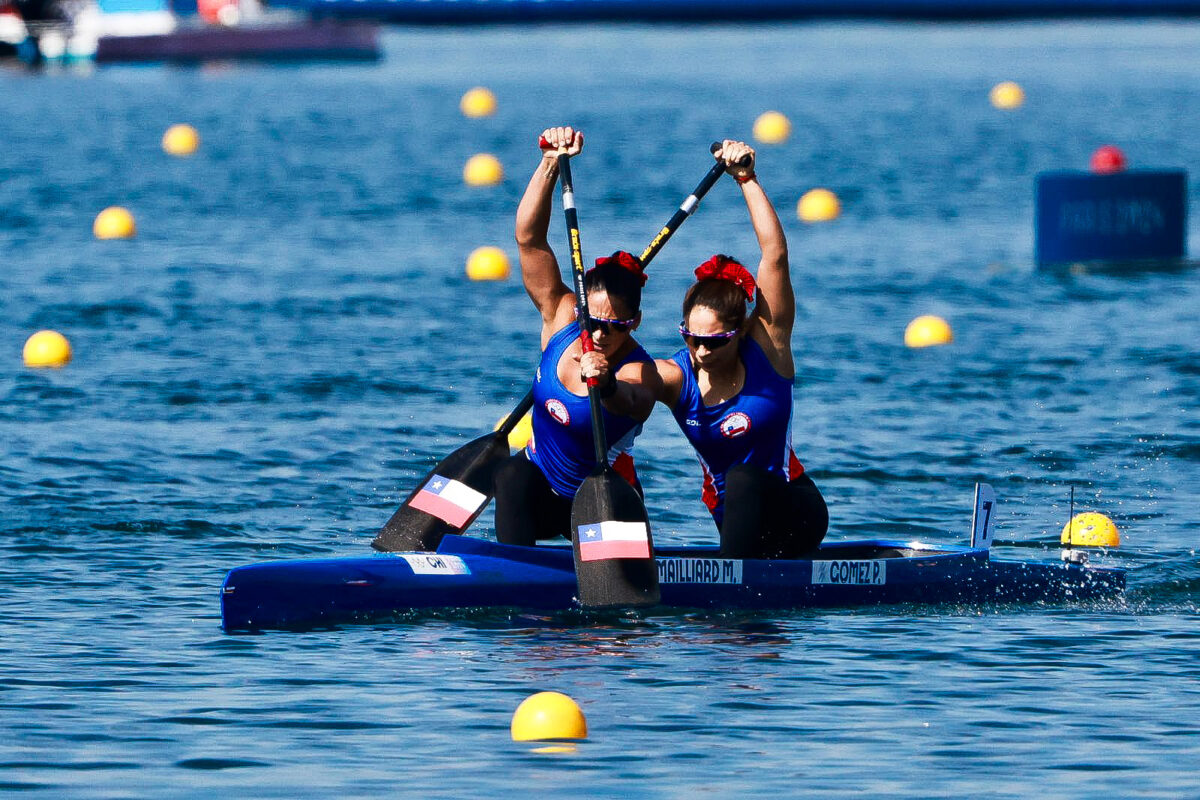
[[744, 161]]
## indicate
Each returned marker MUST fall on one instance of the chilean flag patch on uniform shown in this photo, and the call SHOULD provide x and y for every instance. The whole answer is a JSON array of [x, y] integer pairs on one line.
[[611, 539], [735, 425]]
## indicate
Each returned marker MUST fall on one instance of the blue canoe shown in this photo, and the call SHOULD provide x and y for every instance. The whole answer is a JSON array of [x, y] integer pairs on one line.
[[467, 573]]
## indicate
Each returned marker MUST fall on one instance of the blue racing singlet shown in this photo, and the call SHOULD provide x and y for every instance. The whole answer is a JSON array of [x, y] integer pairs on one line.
[[561, 444], [754, 427]]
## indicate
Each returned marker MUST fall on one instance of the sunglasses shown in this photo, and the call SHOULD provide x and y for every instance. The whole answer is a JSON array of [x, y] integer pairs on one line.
[[603, 324], [712, 341]]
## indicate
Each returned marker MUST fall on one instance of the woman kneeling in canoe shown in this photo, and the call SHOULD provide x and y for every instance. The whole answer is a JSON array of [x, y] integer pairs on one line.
[[534, 488], [730, 390]]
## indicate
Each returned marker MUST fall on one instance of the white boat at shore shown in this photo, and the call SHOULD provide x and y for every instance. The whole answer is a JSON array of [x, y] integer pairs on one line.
[[111, 31]]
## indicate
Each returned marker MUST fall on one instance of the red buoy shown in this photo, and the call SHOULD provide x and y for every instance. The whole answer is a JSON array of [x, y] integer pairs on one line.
[[1108, 159]]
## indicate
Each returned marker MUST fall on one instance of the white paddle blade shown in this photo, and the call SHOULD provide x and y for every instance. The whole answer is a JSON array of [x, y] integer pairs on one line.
[[981, 518]]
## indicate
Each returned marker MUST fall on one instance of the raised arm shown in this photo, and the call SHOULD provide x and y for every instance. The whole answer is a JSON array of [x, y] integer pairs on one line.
[[775, 304], [539, 268]]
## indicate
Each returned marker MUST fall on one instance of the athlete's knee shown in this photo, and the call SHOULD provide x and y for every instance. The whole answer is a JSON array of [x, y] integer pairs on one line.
[[745, 478], [811, 512], [514, 471], [515, 510]]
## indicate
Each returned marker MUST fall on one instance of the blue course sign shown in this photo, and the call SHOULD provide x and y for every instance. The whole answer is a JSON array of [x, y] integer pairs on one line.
[[1126, 216]]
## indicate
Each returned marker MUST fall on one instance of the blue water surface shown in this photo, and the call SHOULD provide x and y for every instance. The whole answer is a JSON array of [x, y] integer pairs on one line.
[[290, 342]]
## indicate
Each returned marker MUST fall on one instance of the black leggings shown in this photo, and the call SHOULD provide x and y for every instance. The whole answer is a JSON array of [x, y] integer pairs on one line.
[[527, 509], [768, 517]]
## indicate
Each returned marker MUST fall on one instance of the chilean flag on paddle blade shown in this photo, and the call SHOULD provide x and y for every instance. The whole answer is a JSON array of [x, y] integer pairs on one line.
[[604, 540], [448, 500]]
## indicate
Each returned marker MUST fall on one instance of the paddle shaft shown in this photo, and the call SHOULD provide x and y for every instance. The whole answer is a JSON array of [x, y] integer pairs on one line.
[[515, 415], [599, 438], [686, 208], [605, 503]]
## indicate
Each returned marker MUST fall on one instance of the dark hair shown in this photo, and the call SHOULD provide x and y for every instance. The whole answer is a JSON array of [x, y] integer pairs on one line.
[[726, 299], [618, 281]]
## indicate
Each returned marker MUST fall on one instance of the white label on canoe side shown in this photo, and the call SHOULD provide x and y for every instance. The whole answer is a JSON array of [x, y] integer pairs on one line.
[[699, 570], [850, 573], [433, 564]]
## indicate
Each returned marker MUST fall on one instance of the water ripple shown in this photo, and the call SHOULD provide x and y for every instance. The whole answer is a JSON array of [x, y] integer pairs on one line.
[[291, 341]]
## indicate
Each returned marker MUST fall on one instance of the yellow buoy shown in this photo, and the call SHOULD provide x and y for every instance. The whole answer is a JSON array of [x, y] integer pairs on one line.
[[1007, 95], [521, 433], [114, 222], [487, 264], [483, 169], [772, 127], [47, 349], [818, 205], [477, 102], [181, 140], [928, 330], [1091, 529], [548, 715]]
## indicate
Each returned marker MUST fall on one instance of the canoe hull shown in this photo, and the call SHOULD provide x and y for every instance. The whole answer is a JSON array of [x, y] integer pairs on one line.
[[469, 573]]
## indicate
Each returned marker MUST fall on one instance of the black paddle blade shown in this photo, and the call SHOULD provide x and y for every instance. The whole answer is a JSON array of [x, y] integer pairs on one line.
[[448, 499], [614, 554]]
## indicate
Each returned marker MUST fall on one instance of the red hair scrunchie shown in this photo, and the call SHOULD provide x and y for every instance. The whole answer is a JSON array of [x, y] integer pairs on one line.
[[627, 261], [724, 268]]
